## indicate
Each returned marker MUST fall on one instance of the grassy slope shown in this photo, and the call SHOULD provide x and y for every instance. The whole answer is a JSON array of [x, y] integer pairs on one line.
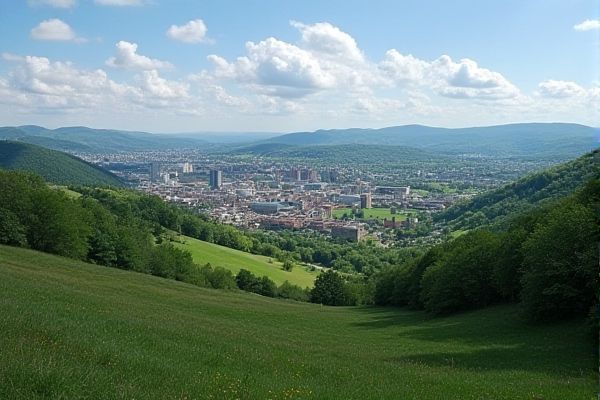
[[73, 330], [54, 166], [234, 260], [379, 213]]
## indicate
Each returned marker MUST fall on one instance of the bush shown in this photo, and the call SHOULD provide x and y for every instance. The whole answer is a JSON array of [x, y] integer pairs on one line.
[[293, 292]]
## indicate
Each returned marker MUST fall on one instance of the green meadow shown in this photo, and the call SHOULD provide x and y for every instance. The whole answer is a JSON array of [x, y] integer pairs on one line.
[[75, 330], [377, 213], [234, 260]]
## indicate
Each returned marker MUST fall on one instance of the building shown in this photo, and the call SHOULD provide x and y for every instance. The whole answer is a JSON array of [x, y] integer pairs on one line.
[[188, 168], [348, 199], [216, 179], [353, 233], [397, 192], [271, 207], [155, 171], [365, 200]]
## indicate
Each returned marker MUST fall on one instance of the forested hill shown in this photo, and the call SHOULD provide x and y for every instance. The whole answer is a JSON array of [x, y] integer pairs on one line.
[[554, 140], [496, 206], [54, 166], [346, 153]]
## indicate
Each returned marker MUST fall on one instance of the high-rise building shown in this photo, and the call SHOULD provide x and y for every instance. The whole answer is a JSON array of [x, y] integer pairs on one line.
[[365, 200], [155, 171], [216, 179], [188, 168]]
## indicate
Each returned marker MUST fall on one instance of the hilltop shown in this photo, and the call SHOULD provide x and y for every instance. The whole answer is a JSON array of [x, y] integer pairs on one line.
[[54, 166], [81, 138], [522, 140], [75, 330]]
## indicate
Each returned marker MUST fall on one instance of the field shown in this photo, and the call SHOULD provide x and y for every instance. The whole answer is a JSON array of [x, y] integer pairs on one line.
[[379, 213], [74, 330], [234, 260]]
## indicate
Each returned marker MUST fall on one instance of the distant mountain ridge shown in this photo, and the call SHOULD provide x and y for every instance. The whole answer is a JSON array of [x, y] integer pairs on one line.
[[84, 139], [54, 166], [531, 139]]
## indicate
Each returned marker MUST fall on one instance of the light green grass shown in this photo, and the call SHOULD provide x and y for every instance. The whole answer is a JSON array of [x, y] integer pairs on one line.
[[378, 213], [73, 330], [234, 260]]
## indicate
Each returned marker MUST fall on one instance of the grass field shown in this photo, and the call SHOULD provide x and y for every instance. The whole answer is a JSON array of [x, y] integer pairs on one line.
[[234, 260], [73, 330], [378, 213]]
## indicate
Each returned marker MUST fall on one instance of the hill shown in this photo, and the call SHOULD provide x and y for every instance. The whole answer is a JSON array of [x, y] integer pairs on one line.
[[495, 206], [342, 153], [522, 140], [81, 138], [75, 330], [53, 166], [234, 260]]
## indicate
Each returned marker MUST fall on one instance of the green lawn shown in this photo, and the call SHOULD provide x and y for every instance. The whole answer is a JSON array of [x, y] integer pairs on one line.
[[379, 213], [74, 330], [234, 260]]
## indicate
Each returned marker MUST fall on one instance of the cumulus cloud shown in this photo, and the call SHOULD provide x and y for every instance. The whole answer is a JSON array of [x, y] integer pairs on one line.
[[119, 3], [53, 3], [403, 68], [324, 58], [56, 30], [464, 79], [161, 88], [588, 25], [191, 32], [276, 67], [329, 41], [559, 89], [127, 57]]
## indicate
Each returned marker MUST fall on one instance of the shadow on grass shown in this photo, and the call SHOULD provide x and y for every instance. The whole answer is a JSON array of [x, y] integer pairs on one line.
[[495, 338]]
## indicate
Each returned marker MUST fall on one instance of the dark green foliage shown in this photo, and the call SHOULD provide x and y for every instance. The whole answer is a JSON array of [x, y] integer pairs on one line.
[[288, 265], [329, 290], [560, 265], [54, 166], [12, 232], [462, 279], [293, 292], [218, 277], [249, 282]]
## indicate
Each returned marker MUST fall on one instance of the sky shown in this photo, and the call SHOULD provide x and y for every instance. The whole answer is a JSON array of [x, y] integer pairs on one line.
[[283, 66]]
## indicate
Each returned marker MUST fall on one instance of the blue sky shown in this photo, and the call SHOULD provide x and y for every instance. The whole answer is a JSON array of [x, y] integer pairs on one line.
[[174, 66]]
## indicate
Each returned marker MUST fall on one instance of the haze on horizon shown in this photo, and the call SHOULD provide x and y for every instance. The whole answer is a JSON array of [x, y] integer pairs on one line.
[[185, 67]]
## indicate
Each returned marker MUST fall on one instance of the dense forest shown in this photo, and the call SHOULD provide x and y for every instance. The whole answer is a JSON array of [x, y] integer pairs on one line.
[[54, 166]]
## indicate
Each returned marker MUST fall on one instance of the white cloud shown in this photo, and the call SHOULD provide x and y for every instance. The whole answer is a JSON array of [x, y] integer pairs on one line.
[[329, 41], [191, 32], [403, 68], [56, 30], [460, 80], [161, 88], [127, 57], [53, 3], [559, 89], [119, 3], [277, 68], [588, 25]]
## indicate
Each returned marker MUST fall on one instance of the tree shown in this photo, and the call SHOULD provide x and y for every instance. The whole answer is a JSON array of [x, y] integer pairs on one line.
[[12, 232], [560, 266], [329, 289], [247, 281], [288, 265]]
